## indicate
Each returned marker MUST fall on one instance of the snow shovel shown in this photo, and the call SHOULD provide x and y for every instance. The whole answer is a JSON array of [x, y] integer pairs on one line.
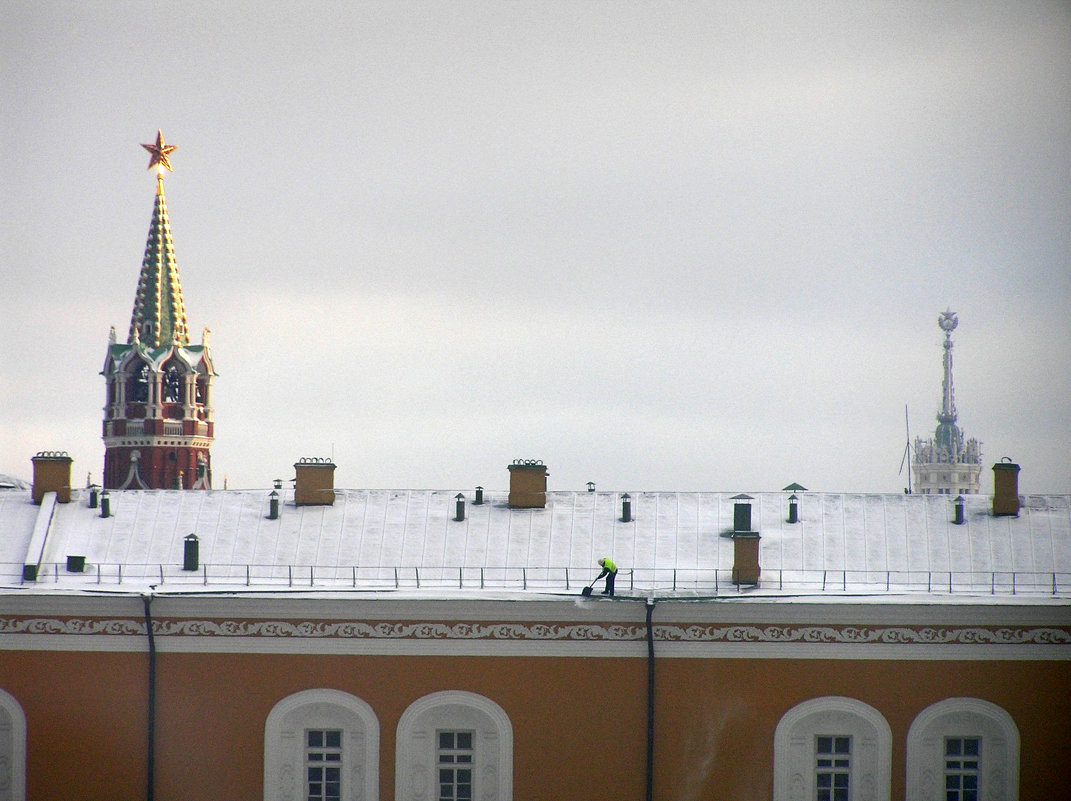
[[586, 592]]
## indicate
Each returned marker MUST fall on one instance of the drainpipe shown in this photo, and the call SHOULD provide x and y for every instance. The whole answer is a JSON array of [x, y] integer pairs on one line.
[[650, 700], [151, 745]]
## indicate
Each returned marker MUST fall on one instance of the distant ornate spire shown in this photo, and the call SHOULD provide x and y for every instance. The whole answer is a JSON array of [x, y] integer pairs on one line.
[[159, 316], [949, 463]]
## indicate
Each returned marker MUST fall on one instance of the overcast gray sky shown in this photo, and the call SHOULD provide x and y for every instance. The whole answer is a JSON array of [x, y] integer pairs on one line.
[[681, 246]]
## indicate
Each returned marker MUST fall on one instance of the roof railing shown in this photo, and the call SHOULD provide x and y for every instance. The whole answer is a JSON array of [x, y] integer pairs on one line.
[[686, 582]]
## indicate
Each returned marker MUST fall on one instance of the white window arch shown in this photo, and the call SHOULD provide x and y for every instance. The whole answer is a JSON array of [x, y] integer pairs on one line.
[[287, 747], [427, 735], [798, 747], [992, 734], [12, 749]]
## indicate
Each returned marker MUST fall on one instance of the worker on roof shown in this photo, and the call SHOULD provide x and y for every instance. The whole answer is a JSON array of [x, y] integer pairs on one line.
[[609, 569]]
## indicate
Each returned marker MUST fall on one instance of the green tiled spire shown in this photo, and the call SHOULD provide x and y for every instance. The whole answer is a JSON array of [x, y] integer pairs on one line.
[[159, 316]]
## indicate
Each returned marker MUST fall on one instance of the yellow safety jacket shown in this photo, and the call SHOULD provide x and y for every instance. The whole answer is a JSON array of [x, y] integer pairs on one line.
[[608, 565]]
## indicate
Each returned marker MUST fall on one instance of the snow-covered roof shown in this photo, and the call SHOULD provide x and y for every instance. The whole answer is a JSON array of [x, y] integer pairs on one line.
[[398, 539]]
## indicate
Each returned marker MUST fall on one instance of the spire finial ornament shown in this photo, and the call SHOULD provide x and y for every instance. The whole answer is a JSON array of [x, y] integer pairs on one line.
[[159, 154], [948, 321]]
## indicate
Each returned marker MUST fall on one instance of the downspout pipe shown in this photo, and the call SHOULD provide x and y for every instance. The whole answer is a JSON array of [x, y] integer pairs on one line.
[[650, 700], [150, 788]]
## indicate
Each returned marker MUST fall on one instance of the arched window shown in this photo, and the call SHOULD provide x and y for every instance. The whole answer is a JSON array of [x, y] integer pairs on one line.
[[137, 390], [454, 744], [174, 384], [961, 749], [321, 745], [12, 749], [832, 749]]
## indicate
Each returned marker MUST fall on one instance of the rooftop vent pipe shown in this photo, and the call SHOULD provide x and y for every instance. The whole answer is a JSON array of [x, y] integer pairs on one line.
[[105, 504], [793, 508], [273, 505], [191, 557], [460, 507], [959, 503], [478, 501], [626, 508], [742, 512]]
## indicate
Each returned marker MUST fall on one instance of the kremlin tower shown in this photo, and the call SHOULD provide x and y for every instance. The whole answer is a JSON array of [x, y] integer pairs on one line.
[[158, 414], [948, 464]]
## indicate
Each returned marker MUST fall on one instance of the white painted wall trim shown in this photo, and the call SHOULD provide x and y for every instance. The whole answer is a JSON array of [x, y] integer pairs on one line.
[[454, 710], [284, 746], [963, 717], [12, 749], [794, 763]]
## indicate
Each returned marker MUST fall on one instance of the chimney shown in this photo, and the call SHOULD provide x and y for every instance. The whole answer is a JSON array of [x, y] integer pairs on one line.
[[52, 473], [315, 482], [1005, 488], [527, 484], [745, 543]]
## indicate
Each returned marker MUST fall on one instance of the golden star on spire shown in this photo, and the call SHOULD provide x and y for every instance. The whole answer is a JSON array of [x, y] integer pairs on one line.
[[160, 153]]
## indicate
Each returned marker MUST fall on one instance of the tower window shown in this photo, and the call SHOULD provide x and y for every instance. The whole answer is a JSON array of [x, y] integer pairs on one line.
[[139, 384], [172, 385]]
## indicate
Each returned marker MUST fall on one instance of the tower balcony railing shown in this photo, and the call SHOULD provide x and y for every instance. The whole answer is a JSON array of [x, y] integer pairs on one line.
[[172, 429], [644, 582]]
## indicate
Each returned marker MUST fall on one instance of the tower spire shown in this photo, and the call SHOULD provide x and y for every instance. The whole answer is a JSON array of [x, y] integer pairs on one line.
[[158, 425], [946, 418], [948, 463], [159, 315]]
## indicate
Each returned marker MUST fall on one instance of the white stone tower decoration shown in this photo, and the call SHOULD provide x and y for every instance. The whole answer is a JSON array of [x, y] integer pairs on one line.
[[948, 464]]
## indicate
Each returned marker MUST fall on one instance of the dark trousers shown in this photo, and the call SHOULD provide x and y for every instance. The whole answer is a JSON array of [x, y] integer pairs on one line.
[[610, 577]]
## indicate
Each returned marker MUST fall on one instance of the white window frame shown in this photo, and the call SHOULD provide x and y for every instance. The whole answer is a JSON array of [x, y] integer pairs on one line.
[[12, 749], [794, 744], [963, 717], [284, 743], [416, 777]]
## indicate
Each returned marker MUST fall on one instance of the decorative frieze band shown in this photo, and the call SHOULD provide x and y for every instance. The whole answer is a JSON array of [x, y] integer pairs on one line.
[[544, 632]]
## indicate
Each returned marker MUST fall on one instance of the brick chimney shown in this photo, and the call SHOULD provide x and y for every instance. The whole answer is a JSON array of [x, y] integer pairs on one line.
[[746, 568], [315, 482], [52, 473], [1005, 488], [527, 484]]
